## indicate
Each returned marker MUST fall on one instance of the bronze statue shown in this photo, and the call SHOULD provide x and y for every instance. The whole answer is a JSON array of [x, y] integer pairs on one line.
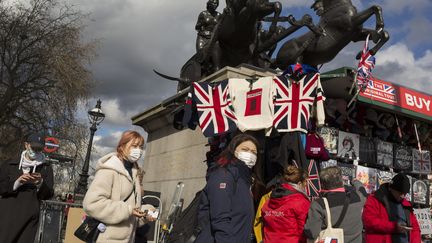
[[341, 24], [237, 37], [206, 22]]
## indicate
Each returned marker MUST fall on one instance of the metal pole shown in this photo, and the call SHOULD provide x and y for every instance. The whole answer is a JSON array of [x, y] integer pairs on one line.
[[82, 184]]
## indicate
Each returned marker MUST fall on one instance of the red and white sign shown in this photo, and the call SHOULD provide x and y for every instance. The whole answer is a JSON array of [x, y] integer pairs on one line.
[[381, 91], [51, 144], [416, 101], [392, 94]]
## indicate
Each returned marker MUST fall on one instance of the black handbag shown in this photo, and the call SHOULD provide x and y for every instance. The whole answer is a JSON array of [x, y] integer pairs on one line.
[[88, 230]]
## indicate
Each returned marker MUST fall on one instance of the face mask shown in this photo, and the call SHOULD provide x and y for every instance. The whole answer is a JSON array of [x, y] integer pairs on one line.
[[31, 154], [247, 157], [135, 155]]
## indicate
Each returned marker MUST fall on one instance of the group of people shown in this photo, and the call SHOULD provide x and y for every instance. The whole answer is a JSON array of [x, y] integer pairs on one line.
[[286, 214], [113, 198]]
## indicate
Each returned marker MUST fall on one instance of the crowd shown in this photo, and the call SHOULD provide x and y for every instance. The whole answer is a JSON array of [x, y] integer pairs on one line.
[[286, 214], [226, 213]]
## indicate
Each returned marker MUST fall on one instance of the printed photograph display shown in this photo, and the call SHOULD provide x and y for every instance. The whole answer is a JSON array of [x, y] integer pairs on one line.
[[402, 157], [385, 153], [348, 172], [421, 162], [367, 150], [420, 192], [328, 163], [368, 177], [348, 145], [408, 196], [330, 137], [384, 177]]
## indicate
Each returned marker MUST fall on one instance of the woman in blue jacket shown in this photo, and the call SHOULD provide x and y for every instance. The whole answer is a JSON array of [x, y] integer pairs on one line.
[[226, 209]]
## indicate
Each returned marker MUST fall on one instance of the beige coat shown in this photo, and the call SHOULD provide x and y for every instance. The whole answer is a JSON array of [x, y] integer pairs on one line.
[[104, 200]]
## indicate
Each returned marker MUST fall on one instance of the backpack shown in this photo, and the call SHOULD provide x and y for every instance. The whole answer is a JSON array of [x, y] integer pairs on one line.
[[315, 148], [330, 234], [187, 227]]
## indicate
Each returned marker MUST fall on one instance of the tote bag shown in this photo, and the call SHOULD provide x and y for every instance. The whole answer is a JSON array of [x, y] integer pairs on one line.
[[329, 235]]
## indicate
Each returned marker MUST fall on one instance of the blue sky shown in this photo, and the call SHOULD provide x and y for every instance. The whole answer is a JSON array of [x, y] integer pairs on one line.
[[137, 36]]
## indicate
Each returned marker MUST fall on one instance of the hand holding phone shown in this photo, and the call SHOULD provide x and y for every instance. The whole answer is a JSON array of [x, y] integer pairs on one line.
[[403, 228]]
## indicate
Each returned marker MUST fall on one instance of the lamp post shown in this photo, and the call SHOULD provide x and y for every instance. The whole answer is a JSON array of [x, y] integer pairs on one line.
[[96, 116]]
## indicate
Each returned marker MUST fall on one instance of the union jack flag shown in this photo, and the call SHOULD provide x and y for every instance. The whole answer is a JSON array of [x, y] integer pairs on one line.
[[365, 66], [294, 101], [213, 107], [314, 185], [388, 89]]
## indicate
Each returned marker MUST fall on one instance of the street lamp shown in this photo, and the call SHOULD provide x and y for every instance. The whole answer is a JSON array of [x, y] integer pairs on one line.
[[96, 116]]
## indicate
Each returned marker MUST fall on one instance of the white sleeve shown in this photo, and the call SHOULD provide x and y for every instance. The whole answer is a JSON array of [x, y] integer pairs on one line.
[[16, 185]]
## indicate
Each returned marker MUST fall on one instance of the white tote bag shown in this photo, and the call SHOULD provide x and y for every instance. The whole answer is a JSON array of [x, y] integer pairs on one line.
[[329, 235]]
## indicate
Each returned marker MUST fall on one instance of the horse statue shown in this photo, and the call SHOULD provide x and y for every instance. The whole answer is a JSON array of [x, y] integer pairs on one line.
[[340, 24], [231, 39]]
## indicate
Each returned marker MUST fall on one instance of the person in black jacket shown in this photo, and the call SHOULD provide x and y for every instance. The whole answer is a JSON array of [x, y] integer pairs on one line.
[[23, 183], [226, 209]]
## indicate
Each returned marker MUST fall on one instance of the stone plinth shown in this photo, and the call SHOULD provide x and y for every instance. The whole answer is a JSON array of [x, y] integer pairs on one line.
[[174, 156]]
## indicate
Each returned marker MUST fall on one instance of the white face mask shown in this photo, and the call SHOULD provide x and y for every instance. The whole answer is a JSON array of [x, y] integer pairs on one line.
[[31, 154], [135, 154], [247, 157]]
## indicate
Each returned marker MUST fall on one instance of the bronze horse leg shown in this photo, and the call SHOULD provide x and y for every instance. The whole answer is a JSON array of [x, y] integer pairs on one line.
[[379, 35]]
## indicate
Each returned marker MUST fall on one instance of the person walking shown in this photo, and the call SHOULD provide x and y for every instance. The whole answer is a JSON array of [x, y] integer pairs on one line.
[[226, 209], [388, 216], [345, 203], [285, 213], [24, 182], [114, 196]]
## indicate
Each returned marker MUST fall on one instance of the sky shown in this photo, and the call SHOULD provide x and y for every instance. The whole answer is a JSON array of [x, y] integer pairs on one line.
[[138, 36]]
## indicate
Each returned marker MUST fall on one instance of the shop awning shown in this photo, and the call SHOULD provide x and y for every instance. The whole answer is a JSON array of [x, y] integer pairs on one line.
[[384, 94]]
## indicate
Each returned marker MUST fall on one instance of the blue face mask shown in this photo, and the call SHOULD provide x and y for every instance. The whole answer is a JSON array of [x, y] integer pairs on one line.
[[31, 154]]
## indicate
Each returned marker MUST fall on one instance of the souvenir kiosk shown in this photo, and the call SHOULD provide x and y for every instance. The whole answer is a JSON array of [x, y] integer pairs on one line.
[[386, 130]]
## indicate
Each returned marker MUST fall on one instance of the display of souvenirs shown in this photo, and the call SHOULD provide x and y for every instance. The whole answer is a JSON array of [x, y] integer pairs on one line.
[[384, 153], [402, 157], [368, 177], [348, 172], [384, 177], [408, 196], [314, 185], [252, 102], [421, 162], [330, 137], [420, 192], [348, 145], [328, 163], [367, 150], [294, 101]]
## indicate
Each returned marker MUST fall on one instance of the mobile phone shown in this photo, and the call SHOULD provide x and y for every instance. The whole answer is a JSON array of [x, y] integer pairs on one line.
[[407, 228], [154, 214]]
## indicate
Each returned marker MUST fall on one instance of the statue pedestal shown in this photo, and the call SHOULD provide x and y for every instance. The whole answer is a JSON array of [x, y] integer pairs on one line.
[[174, 156]]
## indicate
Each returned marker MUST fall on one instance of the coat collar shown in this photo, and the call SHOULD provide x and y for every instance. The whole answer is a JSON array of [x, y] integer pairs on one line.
[[112, 162]]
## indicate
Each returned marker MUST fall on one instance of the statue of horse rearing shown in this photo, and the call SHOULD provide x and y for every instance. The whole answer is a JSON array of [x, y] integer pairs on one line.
[[341, 24]]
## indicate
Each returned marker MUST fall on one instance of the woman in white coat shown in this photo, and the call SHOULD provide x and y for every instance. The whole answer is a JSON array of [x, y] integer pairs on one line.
[[116, 177]]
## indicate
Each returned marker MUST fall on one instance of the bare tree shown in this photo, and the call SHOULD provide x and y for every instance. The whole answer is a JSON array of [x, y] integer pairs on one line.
[[43, 70]]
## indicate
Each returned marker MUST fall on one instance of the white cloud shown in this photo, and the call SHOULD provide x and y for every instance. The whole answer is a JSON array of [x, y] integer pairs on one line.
[[398, 64]]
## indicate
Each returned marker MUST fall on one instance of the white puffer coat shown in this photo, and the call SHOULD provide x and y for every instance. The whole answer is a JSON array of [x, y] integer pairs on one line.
[[104, 200]]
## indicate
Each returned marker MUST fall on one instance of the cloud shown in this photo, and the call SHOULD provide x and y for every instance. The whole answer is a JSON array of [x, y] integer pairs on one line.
[[417, 31], [405, 6], [398, 64]]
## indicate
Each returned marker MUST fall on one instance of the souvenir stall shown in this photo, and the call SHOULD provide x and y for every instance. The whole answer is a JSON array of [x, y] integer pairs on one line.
[[302, 118], [386, 131]]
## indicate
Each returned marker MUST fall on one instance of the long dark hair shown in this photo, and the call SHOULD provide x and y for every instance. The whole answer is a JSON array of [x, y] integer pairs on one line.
[[227, 156]]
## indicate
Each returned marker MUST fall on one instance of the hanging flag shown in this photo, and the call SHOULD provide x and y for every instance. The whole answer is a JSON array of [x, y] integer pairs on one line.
[[365, 66], [364, 70]]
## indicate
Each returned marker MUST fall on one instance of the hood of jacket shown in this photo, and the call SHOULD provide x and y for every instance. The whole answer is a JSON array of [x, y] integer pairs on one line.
[[283, 194], [112, 162]]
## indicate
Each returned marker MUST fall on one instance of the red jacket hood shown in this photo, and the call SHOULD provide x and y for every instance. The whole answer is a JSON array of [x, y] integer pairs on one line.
[[283, 194]]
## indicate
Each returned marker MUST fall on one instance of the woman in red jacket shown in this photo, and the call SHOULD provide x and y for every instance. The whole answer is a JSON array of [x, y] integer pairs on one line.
[[284, 214]]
